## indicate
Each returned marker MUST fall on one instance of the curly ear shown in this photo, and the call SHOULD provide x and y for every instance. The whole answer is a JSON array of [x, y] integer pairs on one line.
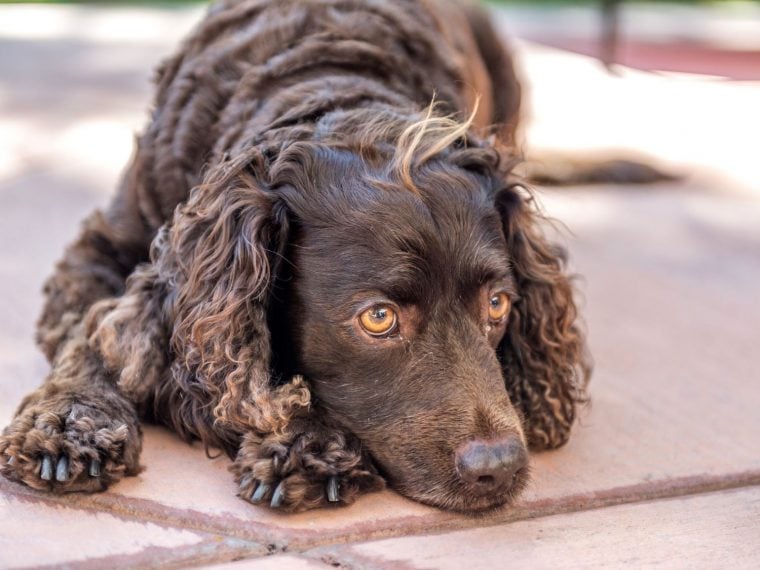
[[218, 264], [546, 365]]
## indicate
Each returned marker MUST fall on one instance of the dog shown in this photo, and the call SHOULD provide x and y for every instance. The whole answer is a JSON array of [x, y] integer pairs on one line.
[[320, 260]]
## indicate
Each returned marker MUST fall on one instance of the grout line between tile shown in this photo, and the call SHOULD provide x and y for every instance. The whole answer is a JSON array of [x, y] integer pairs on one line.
[[210, 551], [281, 539], [343, 559]]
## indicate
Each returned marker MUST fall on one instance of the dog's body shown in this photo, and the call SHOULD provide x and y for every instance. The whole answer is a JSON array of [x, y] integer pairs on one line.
[[331, 302]]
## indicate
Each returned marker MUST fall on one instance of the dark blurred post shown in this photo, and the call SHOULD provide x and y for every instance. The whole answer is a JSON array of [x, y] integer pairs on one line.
[[610, 30]]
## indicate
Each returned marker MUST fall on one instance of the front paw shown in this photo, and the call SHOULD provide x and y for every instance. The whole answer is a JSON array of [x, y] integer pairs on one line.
[[62, 445], [309, 468]]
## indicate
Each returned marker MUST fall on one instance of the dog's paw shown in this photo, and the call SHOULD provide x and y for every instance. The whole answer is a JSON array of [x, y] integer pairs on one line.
[[62, 445], [305, 470]]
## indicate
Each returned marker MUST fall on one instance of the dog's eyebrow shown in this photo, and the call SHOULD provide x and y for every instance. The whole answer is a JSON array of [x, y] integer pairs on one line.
[[404, 280], [487, 265], [409, 278]]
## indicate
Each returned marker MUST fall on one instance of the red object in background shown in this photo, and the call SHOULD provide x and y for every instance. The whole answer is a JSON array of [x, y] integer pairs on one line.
[[675, 56], [612, 47], [691, 58]]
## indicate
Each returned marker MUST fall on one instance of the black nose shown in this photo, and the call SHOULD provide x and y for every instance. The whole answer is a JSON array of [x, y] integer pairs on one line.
[[490, 465]]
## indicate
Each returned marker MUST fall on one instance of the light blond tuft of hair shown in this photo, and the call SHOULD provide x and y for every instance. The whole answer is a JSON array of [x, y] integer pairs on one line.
[[426, 138]]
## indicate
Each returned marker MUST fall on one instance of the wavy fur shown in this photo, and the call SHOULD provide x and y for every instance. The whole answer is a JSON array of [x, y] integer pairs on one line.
[[286, 163]]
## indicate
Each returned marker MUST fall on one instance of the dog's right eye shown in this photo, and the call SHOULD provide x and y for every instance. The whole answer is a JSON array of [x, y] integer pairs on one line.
[[379, 320], [498, 307]]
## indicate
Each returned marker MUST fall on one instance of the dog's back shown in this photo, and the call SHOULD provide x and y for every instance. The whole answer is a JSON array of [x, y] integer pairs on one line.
[[254, 69]]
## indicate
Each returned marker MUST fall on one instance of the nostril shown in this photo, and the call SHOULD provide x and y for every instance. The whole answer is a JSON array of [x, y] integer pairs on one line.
[[490, 464]]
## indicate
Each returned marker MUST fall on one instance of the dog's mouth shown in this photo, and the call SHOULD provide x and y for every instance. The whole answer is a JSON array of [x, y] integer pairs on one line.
[[454, 495], [473, 501]]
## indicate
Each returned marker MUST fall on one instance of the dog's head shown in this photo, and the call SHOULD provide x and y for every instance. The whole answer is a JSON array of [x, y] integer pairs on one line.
[[409, 285]]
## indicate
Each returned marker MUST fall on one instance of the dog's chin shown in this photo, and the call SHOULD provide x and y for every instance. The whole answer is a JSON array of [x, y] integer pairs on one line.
[[456, 497]]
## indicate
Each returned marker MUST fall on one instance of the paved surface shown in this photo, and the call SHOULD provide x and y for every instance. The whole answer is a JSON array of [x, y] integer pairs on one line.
[[664, 468]]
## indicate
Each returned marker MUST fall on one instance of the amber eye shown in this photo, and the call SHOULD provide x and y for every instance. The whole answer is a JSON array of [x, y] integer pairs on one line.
[[498, 306], [378, 320]]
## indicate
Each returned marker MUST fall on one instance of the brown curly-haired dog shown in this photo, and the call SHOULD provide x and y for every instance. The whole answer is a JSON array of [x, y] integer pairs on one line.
[[310, 266]]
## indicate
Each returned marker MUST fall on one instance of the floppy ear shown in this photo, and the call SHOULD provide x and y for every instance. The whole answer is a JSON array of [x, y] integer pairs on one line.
[[222, 248], [546, 365]]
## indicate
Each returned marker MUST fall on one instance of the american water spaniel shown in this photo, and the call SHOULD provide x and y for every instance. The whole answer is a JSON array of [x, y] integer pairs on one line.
[[321, 262]]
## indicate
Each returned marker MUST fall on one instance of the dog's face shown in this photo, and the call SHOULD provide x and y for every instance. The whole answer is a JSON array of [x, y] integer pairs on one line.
[[392, 304], [425, 308]]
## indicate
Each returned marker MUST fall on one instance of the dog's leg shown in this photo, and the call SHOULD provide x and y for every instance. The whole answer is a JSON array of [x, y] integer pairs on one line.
[[77, 432], [109, 247], [311, 465], [94, 267]]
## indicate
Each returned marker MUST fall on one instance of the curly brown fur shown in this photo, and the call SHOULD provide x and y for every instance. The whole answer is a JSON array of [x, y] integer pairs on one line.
[[301, 461], [544, 354], [289, 179], [78, 421]]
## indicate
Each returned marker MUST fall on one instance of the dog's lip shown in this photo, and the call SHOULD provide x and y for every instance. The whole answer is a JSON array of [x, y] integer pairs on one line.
[[506, 494], [478, 505], [462, 500]]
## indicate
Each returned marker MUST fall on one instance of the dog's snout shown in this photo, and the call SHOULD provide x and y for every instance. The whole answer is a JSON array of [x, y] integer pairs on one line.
[[490, 465]]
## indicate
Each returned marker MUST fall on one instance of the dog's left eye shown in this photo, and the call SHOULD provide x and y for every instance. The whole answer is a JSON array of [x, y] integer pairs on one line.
[[498, 306], [379, 320]]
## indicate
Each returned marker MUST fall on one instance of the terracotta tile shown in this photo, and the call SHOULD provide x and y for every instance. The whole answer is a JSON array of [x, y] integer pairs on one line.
[[708, 531], [278, 562], [182, 486], [181, 477], [36, 533], [672, 308]]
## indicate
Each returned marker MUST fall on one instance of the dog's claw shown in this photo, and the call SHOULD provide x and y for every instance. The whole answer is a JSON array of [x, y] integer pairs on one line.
[[245, 482], [332, 489], [277, 496], [94, 470], [259, 493], [46, 470], [62, 469]]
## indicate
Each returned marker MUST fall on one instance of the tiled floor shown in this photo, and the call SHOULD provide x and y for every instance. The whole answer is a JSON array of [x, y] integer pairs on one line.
[[664, 468]]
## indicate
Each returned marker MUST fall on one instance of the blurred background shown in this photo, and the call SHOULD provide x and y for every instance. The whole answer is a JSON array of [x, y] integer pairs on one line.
[[81, 71]]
